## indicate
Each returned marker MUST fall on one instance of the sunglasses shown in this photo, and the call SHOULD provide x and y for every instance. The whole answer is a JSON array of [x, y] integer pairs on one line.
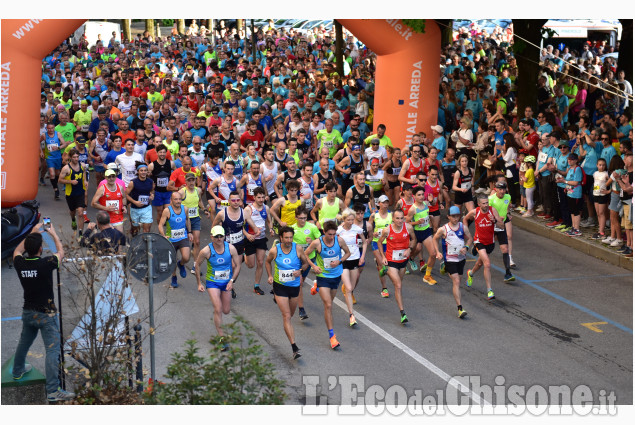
[[218, 236], [605, 138], [234, 200]]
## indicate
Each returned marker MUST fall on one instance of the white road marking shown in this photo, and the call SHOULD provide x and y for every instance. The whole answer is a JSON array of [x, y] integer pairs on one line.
[[409, 351]]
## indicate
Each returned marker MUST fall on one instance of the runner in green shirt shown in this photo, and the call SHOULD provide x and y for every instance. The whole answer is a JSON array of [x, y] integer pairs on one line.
[[500, 201], [303, 234]]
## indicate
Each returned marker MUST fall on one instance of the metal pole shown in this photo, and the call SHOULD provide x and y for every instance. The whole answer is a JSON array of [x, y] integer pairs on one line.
[[138, 357], [151, 294], [62, 375]]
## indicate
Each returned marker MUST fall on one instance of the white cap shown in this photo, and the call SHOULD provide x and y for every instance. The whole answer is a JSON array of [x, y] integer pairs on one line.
[[437, 128], [382, 198]]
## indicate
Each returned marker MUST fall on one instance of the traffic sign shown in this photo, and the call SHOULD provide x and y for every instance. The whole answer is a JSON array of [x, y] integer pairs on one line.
[[163, 257]]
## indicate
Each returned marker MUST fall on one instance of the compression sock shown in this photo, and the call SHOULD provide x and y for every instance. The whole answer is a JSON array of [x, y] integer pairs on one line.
[[54, 184], [402, 312], [331, 333], [294, 348], [506, 262]]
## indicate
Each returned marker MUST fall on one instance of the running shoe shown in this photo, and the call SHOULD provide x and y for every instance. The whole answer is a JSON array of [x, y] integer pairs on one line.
[[490, 295], [628, 253], [560, 226], [74, 224], [429, 280], [616, 243], [60, 395], [540, 208], [86, 219], [27, 369], [334, 342], [314, 289], [404, 318], [383, 271], [412, 264], [607, 240], [234, 294], [509, 277], [296, 355], [423, 267], [384, 293], [462, 313], [547, 218], [182, 270], [225, 345], [302, 314], [353, 297], [258, 291], [57, 195], [575, 233], [352, 322], [597, 236], [193, 270], [528, 214], [542, 215], [554, 223], [566, 230], [442, 268], [622, 249], [407, 271], [174, 283], [589, 222], [469, 278], [42, 183]]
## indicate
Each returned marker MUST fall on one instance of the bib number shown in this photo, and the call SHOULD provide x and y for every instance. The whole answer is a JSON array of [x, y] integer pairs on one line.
[[177, 233], [308, 203], [144, 199], [162, 181], [466, 185], [398, 255], [328, 261], [51, 148], [221, 275], [235, 238], [84, 128], [131, 173], [192, 212], [454, 249], [113, 203], [542, 157], [285, 275]]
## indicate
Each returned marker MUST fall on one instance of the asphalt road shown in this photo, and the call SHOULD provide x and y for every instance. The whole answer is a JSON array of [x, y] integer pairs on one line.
[[533, 333]]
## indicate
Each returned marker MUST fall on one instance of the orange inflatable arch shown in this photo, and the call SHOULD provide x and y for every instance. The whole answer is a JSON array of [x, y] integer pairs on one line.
[[406, 64]]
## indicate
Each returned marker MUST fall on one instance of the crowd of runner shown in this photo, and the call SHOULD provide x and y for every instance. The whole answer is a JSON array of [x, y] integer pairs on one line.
[[179, 130]]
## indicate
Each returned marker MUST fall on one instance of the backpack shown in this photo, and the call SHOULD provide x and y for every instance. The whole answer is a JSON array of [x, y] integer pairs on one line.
[[583, 176], [509, 103], [450, 121]]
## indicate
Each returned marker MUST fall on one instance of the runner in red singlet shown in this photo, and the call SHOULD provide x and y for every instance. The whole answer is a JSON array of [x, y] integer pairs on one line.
[[433, 186], [485, 217], [400, 241], [411, 167], [109, 197]]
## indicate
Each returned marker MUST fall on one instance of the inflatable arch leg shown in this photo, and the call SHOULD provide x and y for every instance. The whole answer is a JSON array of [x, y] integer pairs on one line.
[[406, 77], [24, 44]]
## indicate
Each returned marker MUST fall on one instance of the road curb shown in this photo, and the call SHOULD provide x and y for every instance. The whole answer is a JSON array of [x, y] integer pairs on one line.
[[581, 244]]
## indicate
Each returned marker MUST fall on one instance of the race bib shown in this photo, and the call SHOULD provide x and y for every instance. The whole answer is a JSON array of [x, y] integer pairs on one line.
[[192, 212], [285, 275], [426, 221], [398, 255], [162, 182], [542, 157], [84, 128], [466, 185], [596, 188], [308, 203], [454, 249], [253, 104], [113, 203], [223, 205], [328, 261], [131, 173], [177, 233], [144, 199], [498, 229], [51, 148], [360, 243], [328, 144], [221, 275], [250, 190], [396, 171], [235, 238]]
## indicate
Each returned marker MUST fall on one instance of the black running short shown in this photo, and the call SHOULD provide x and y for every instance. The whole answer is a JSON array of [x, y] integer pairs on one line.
[[452, 267], [488, 248], [501, 237], [257, 244], [281, 290], [75, 202]]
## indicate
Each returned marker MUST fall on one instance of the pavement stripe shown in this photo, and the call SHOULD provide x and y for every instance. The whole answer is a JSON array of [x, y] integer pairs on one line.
[[566, 301], [6, 319], [579, 278], [409, 351]]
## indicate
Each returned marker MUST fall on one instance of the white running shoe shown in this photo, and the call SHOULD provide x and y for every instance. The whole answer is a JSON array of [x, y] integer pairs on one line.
[[607, 240], [616, 243]]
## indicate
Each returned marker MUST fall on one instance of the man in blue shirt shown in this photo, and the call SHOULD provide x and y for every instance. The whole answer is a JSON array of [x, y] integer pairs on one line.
[[439, 141], [498, 135], [608, 151], [625, 126]]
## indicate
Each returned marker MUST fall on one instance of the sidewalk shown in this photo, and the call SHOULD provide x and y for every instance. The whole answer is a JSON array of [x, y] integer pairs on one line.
[[583, 244]]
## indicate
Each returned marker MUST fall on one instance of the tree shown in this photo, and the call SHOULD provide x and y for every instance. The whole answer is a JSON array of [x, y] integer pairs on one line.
[[125, 23], [339, 49], [625, 60], [527, 57], [150, 27], [180, 26], [446, 31]]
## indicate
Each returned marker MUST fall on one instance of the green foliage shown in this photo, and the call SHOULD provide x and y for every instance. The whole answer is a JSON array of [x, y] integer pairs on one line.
[[417, 25], [519, 46], [167, 22], [547, 32], [241, 375]]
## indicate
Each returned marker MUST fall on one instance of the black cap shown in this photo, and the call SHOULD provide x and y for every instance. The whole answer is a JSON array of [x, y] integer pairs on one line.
[[500, 185], [81, 139]]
